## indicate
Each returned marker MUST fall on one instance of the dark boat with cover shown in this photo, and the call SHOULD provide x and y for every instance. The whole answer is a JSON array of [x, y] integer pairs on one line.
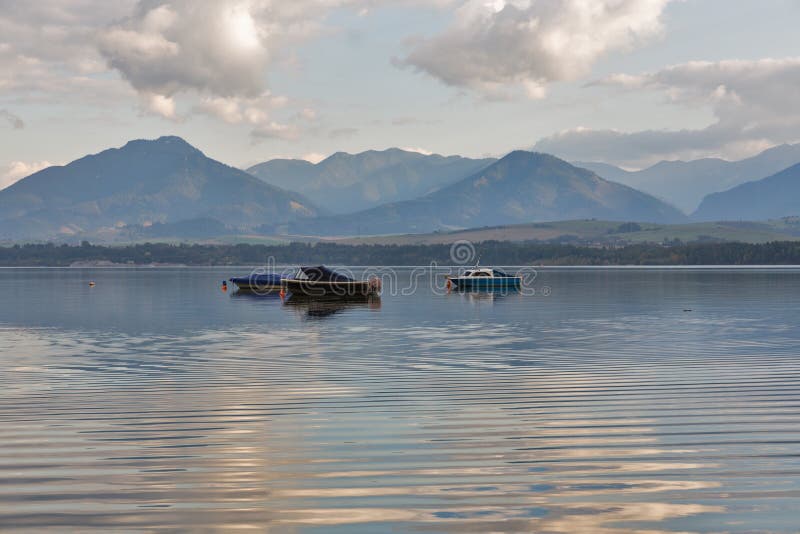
[[320, 281]]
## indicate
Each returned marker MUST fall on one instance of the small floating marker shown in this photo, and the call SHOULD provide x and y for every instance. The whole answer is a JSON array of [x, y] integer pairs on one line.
[[687, 310], [91, 283], [224, 285], [282, 294]]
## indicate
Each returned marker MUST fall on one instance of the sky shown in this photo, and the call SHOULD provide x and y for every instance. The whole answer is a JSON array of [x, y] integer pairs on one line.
[[627, 82]]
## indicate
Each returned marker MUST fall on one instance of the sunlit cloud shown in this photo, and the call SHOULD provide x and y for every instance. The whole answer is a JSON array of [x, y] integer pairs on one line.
[[507, 47], [751, 101], [17, 170]]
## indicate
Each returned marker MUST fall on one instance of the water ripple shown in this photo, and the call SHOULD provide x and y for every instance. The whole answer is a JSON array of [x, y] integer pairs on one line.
[[603, 408]]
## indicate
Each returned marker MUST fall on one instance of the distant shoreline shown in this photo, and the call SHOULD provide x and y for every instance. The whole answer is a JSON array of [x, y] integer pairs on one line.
[[105, 263], [778, 253]]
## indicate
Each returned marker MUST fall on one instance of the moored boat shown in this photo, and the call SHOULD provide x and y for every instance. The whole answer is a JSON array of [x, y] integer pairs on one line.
[[320, 281], [484, 278], [258, 282]]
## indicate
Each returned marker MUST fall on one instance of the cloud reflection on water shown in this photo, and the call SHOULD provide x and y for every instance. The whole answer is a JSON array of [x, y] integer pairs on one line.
[[561, 421]]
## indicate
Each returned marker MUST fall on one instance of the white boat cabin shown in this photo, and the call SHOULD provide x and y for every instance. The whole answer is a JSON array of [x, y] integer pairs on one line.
[[480, 272]]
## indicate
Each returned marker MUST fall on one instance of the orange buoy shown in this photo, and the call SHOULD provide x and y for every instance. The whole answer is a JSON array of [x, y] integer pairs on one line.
[[282, 294]]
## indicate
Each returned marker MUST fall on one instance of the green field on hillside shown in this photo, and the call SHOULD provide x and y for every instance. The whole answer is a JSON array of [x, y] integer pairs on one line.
[[606, 232]]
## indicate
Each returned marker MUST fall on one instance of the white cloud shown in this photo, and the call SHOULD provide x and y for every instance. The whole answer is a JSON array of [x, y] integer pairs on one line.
[[290, 130], [17, 170], [217, 52], [46, 47], [204, 45], [417, 149], [159, 105], [227, 109], [313, 157], [506, 46], [754, 103], [56, 30], [175, 57], [238, 110], [179, 58], [276, 130]]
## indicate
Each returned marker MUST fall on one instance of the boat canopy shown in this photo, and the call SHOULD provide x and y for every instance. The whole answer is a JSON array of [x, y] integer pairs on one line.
[[486, 272], [320, 273], [258, 280]]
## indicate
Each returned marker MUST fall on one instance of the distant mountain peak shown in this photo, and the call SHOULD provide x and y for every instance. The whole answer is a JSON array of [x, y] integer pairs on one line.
[[772, 197], [388, 152], [522, 186], [531, 157], [171, 143], [686, 183], [345, 182], [524, 153], [168, 139], [146, 181]]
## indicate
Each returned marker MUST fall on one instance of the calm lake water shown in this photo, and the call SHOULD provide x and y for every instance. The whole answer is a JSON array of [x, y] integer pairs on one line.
[[655, 400]]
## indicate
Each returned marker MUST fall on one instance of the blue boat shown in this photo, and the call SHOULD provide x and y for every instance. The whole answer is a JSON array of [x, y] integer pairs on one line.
[[484, 279], [258, 282]]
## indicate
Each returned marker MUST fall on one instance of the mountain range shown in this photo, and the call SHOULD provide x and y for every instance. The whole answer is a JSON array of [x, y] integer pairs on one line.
[[344, 183], [772, 197], [685, 183], [145, 182], [167, 189], [520, 187]]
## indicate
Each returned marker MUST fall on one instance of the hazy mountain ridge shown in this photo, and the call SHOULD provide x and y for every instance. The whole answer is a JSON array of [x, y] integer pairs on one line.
[[521, 187], [686, 183], [344, 183], [168, 188], [144, 182], [769, 198]]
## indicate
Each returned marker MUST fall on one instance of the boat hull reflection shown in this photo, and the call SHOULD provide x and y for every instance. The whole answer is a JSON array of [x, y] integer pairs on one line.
[[326, 306], [256, 295]]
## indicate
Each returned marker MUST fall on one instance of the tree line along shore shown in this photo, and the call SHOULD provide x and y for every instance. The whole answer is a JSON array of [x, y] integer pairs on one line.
[[487, 252]]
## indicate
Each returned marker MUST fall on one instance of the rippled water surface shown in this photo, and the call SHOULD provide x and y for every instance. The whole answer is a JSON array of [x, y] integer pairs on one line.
[[649, 400]]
